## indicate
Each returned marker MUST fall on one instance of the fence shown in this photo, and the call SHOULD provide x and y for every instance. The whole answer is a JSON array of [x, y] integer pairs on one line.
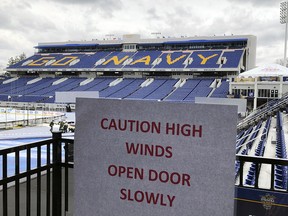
[[45, 166], [11, 117], [47, 172], [258, 161]]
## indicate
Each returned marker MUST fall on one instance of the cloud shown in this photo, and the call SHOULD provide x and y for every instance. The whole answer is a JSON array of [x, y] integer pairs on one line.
[[258, 3], [107, 6], [152, 14], [24, 23], [5, 44], [22, 17], [81, 2]]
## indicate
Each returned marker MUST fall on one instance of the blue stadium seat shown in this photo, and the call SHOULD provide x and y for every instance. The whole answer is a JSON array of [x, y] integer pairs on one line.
[[222, 90], [128, 89], [88, 61], [144, 92], [233, 58], [115, 60], [143, 59], [114, 89], [182, 92], [205, 59], [172, 60], [201, 90]]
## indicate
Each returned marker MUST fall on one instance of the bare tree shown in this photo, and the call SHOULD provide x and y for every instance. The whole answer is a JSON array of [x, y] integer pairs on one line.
[[16, 59]]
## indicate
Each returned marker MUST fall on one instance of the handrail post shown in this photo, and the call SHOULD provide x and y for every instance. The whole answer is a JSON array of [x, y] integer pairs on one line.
[[56, 175]]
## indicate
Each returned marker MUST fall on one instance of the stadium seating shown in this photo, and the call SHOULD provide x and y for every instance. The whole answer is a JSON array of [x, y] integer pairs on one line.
[[222, 90], [143, 59], [232, 58], [145, 91], [41, 85], [128, 89], [89, 60], [23, 64], [172, 60], [237, 164], [201, 90], [121, 84], [29, 98], [15, 86], [242, 139], [99, 86], [115, 60], [252, 134], [163, 90], [240, 134], [281, 172], [183, 91], [156, 89], [158, 60], [259, 151], [91, 85], [205, 59]]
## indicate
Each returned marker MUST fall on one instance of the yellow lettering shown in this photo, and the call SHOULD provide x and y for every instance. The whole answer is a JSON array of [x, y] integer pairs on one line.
[[170, 61], [65, 61], [204, 60], [145, 59], [115, 60], [40, 62]]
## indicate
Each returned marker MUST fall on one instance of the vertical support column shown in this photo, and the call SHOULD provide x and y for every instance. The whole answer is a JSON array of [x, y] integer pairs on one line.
[[257, 171], [17, 184], [284, 20], [241, 173], [286, 28], [5, 187], [280, 92], [272, 177], [56, 175], [255, 93], [230, 86], [28, 183], [48, 183]]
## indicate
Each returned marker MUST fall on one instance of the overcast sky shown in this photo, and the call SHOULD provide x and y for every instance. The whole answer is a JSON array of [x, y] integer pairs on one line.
[[25, 23]]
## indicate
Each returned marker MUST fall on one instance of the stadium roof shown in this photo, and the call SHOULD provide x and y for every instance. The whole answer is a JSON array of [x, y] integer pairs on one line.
[[266, 70], [73, 45], [208, 41], [155, 41]]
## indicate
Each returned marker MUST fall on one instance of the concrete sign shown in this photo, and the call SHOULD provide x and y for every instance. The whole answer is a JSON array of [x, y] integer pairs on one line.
[[135, 158]]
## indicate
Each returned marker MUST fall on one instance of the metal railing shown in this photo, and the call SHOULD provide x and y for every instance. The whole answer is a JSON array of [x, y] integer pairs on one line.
[[46, 163], [46, 168], [258, 162], [263, 112]]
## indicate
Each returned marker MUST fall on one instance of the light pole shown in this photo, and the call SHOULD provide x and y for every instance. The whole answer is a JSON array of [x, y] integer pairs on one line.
[[283, 20]]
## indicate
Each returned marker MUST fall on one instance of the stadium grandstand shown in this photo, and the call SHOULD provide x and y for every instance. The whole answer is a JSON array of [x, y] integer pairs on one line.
[[175, 70], [172, 69]]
